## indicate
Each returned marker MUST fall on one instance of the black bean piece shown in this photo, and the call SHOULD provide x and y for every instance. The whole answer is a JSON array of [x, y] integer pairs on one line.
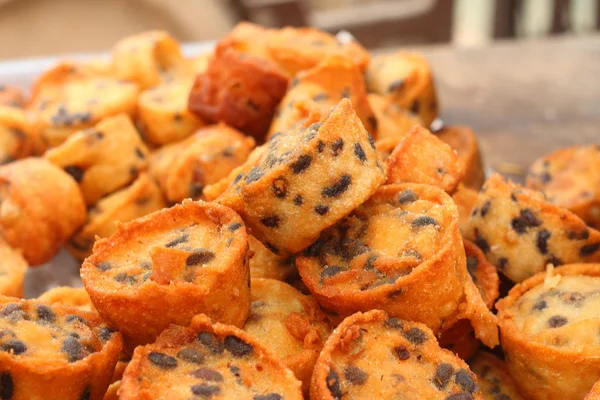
[[415, 106], [301, 164], [139, 153], [502, 263], [583, 235], [200, 256], [75, 172], [407, 196], [393, 322], [355, 375], [321, 209], [191, 355], [208, 374], [338, 188], [372, 121], [73, 349], [589, 249], [527, 219], [330, 270], [272, 248], [268, 396], [460, 396], [279, 187], [205, 391], [272, 221], [395, 85], [422, 221], [464, 379], [333, 384], [320, 146], [320, 97], [14, 346], [541, 240], [481, 242], [238, 178], [237, 346], [298, 200], [6, 386], [359, 152], [402, 352], [46, 314], [337, 147], [162, 360], [485, 208], [72, 318], [86, 395], [104, 266], [557, 321], [540, 305], [371, 140], [104, 334], [554, 260], [211, 341], [178, 240], [234, 227], [443, 373], [415, 335], [255, 174]]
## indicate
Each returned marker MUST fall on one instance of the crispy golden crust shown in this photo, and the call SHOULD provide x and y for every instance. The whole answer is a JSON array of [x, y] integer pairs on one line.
[[465, 199], [141, 198], [493, 377], [266, 264], [420, 157], [520, 232], [407, 80], [357, 266], [16, 137], [305, 180], [11, 96], [102, 159], [393, 122], [112, 393], [570, 179], [54, 352], [594, 394], [68, 296], [290, 324], [463, 140], [239, 89], [12, 271], [322, 87], [184, 168], [40, 208], [373, 356], [299, 49], [169, 266], [163, 114], [209, 361], [542, 370]]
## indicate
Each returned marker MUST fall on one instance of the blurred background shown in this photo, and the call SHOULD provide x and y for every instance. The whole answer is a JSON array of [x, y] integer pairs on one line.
[[48, 27]]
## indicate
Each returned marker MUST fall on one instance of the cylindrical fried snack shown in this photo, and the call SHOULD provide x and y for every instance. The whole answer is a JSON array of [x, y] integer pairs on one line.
[[407, 80], [549, 326], [493, 377], [207, 361], [239, 89], [373, 356], [68, 296], [12, 271], [570, 178], [465, 199], [16, 140], [418, 273], [420, 157], [166, 267], [520, 232], [393, 122], [299, 49], [11, 96], [54, 352], [163, 114], [463, 140], [102, 159], [40, 208], [184, 168], [266, 264], [306, 179], [141, 198], [288, 323], [322, 87]]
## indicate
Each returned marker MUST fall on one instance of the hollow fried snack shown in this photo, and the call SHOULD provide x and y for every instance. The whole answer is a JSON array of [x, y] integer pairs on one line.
[[322, 87], [570, 179], [68, 296], [520, 232], [305, 180], [407, 80], [464, 142], [420, 157], [207, 360], [357, 265], [141, 198], [288, 323], [266, 264], [169, 266], [393, 122], [12, 271], [239, 89], [184, 168], [373, 356], [16, 139], [40, 208], [102, 159], [493, 377], [549, 326], [54, 352], [299, 49], [11, 96]]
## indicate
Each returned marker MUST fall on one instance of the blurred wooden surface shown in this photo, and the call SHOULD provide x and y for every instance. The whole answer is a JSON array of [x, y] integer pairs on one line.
[[522, 98]]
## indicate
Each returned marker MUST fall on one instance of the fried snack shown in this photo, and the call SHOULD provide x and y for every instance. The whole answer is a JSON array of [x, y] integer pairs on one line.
[[493, 377], [465, 199], [102, 159], [249, 38], [163, 114], [520, 232], [166, 267], [420, 157], [305, 180], [266, 264], [549, 325], [141, 198], [290, 324], [184, 168], [322, 87], [11, 96], [373, 356], [393, 122], [299, 49], [40, 208], [239, 89], [460, 338], [16, 140], [570, 179], [357, 265], [594, 394], [207, 361], [54, 352], [12, 271], [464, 142], [406, 79], [68, 296], [149, 58]]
